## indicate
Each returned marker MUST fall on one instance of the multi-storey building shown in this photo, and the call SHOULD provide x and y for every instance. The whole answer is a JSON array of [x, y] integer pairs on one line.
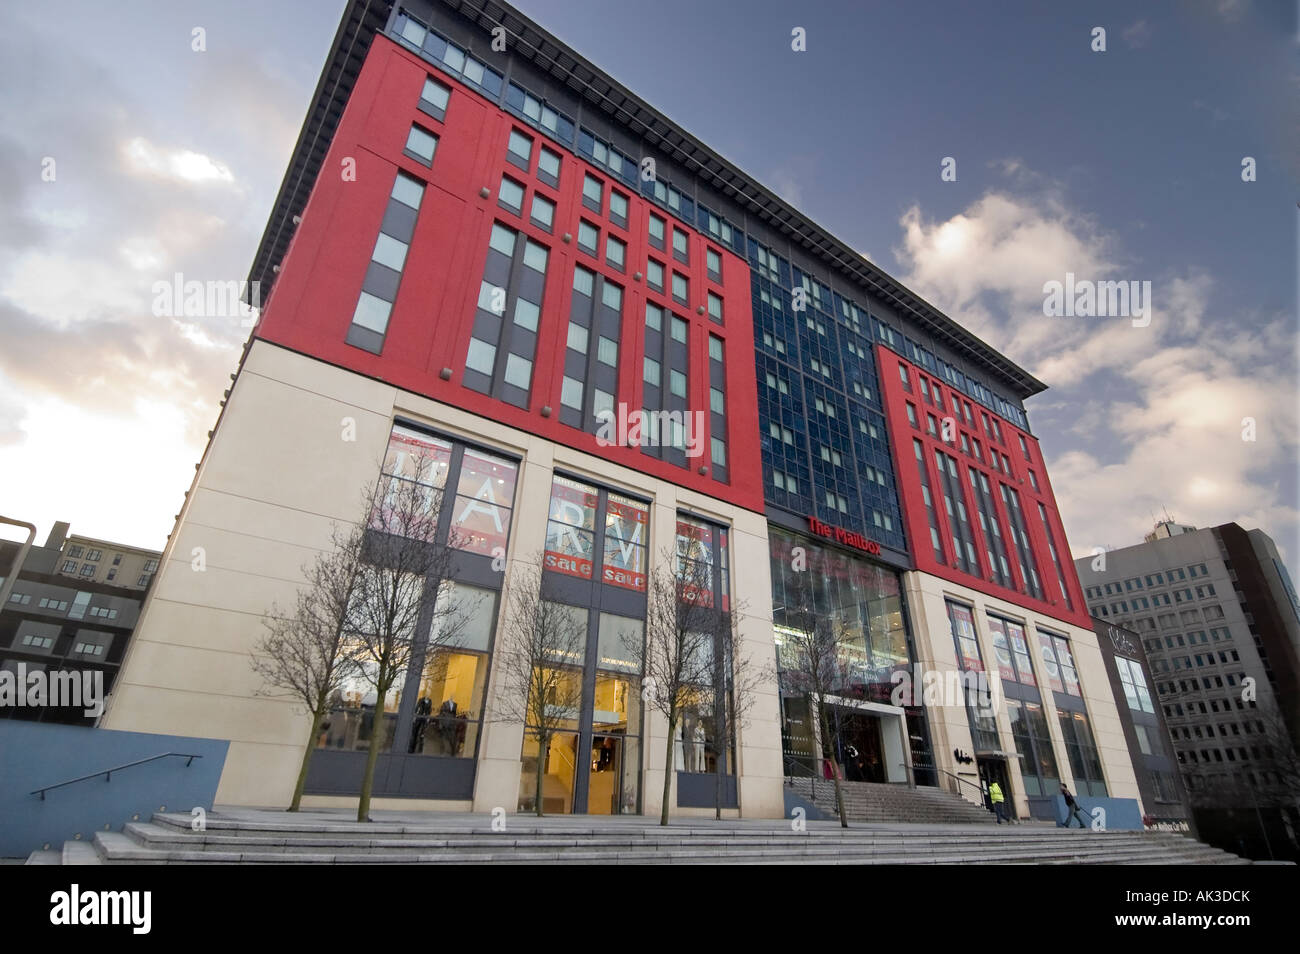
[[1154, 762], [57, 620], [99, 561], [1218, 618], [486, 249]]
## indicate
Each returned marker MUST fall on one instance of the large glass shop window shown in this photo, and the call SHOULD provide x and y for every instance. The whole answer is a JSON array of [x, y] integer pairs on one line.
[[1011, 650], [448, 713], [414, 461], [484, 497], [695, 558], [571, 528], [627, 524]]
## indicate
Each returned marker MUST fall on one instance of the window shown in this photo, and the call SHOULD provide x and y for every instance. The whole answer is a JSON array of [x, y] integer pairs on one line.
[[434, 97], [527, 314], [615, 252], [543, 211], [389, 251], [502, 240], [407, 191], [577, 337], [715, 307], [539, 113], [511, 195], [588, 237], [548, 167], [618, 208], [612, 296], [481, 356], [519, 371], [520, 149], [420, 143], [654, 274], [714, 264], [654, 317], [680, 288], [86, 570], [656, 228], [680, 245], [571, 392], [607, 351], [651, 371], [677, 383], [593, 193], [584, 282], [535, 256], [75, 552], [1135, 685], [69, 566], [679, 329]]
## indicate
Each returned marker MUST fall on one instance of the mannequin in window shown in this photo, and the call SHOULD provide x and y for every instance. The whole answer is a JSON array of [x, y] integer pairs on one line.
[[447, 726]]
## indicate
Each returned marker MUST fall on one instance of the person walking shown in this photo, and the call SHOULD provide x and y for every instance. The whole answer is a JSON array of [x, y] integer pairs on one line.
[[1072, 809], [998, 800]]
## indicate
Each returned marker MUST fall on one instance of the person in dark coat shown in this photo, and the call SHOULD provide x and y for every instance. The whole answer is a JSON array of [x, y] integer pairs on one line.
[[1072, 809]]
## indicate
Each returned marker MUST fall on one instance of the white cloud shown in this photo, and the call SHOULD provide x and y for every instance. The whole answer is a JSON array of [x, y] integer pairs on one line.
[[1161, 407], [144, 157]]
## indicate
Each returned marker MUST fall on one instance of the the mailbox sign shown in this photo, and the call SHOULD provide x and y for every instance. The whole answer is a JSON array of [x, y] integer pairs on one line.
[[848, 538]]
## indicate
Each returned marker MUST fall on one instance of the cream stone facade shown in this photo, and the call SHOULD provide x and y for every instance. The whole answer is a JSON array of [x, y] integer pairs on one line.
[[296, 445], [936, 649]]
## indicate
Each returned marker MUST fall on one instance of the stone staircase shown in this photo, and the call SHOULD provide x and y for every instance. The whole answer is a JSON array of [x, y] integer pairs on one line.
[[882, 803], [248, 836]]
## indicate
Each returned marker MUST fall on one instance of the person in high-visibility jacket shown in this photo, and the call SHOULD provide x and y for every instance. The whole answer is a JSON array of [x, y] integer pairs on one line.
[[998, 800]]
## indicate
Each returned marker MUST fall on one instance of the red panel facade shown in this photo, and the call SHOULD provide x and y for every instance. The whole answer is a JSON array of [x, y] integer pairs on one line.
[[429, 328], [928, 395]]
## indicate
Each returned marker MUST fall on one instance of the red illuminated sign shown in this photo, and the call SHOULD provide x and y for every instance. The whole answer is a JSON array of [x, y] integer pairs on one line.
[[849, 538]]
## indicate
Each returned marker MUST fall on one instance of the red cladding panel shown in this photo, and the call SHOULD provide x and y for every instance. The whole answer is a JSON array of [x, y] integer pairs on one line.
[[429, 329], [902, 434]]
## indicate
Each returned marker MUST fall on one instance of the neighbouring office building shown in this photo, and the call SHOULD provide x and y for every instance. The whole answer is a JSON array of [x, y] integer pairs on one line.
[[1218, 618], [476, 258], [1145, 730], [58, 619]]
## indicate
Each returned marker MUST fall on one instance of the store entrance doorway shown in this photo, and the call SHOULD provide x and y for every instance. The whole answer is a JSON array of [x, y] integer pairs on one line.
[[995, 770], [862, 748]]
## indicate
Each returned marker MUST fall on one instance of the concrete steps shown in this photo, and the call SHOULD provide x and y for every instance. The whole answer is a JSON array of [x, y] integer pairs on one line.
[[251, 837], [881, 803]]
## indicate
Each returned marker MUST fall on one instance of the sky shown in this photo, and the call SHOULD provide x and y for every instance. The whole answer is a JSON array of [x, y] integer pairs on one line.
[[128, 156]]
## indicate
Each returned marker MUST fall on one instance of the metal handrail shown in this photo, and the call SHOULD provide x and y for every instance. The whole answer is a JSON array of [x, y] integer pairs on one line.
[[108, 772], [958, 778]]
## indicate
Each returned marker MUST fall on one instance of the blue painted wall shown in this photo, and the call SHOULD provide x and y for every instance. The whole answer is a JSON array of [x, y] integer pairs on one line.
[[34, 754], [1122, 814]]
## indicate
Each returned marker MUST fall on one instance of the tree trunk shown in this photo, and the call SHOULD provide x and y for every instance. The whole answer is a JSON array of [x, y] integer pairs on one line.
[[377, 730], [835, 769], [541, 771], [317, 719], [717, 789], [668, 770]]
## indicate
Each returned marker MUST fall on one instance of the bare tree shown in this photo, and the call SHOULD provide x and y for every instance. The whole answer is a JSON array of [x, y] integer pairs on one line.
[[402, 608], [540, 665], [814, 659], [677, 656], [308, 653]]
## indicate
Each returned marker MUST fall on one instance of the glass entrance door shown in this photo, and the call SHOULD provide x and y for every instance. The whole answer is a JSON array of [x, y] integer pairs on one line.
[[558, 774]]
